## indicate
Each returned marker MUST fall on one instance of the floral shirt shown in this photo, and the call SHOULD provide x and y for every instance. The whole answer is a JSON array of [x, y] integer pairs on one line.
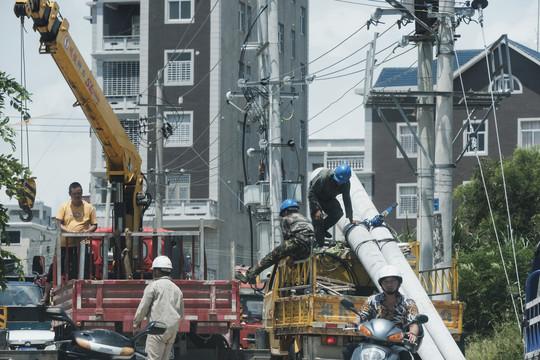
[[402, 314]]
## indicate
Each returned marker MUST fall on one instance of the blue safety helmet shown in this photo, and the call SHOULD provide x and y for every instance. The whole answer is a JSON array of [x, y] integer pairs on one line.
[[342, 174], [288, 204]]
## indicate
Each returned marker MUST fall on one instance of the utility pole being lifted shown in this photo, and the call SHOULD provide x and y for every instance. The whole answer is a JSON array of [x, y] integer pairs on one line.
[[274, 135], [444, 166]]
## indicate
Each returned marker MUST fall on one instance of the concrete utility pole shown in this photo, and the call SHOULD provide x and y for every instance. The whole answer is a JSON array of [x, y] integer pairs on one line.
[[443, 136], [159, 155], [274, 135], [425, 119]]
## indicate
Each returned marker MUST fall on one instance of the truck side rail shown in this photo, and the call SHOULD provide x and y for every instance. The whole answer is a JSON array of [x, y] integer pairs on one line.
[[531, 317]]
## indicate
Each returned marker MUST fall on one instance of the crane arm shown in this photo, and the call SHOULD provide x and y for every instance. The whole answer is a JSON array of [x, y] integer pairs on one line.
[[123, 161]]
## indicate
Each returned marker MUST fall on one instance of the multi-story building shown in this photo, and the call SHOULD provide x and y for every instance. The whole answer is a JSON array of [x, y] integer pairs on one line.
[[196, 46], [516, 94], [33, 238]]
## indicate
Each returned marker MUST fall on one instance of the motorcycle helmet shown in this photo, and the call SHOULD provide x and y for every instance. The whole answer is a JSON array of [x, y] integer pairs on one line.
[[390, 271], [163, 263], [288, 204], [342, 173]]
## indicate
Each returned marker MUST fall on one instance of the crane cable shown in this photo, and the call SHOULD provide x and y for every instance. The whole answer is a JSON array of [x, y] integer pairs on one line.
[[482, 172], [502, 168], [23, 120]]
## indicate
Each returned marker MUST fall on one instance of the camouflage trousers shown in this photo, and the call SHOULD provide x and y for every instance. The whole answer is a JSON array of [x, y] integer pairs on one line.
[[295, 248]]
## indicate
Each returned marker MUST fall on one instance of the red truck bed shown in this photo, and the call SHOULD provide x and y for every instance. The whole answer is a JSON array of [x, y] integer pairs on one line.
[[210, 307]]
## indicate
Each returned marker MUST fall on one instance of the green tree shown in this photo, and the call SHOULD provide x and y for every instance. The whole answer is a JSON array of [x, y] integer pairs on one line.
[[522, 177], [11, 169]]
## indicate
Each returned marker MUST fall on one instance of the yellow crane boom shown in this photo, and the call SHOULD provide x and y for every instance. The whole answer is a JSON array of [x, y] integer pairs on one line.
[[123, 161]]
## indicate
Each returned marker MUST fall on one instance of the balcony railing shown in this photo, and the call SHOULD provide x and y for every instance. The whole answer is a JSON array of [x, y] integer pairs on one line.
[[121, 43], [122, 102], [355, 162], [179, 209]]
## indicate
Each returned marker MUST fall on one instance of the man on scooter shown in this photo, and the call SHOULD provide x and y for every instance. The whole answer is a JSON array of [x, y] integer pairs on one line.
[[390, 305]]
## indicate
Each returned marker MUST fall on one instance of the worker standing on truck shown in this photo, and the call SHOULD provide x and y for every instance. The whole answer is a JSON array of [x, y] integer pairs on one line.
[[322, 192], [390, 305], [298, 238], [74, 216], [162, 301]]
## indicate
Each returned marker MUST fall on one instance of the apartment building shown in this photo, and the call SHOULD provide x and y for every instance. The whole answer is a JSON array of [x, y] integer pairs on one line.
[[202, 49]]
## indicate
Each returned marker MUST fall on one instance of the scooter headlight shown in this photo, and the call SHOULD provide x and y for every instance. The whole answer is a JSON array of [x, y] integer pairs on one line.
[[83, 343], [372, 354]]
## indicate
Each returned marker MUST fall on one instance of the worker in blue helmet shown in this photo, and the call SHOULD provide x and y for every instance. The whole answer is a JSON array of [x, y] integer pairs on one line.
[[323, 189], [298, 236]]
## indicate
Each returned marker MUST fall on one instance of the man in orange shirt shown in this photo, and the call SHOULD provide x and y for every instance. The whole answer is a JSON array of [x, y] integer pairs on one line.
[[75, 216]]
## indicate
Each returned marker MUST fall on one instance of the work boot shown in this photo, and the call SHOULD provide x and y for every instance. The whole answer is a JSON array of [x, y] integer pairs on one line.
[[241, 277], [245, 278], [327, 235], [46, 295]]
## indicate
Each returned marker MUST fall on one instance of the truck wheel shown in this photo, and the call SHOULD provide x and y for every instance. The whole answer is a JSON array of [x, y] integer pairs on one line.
[[292, 354]]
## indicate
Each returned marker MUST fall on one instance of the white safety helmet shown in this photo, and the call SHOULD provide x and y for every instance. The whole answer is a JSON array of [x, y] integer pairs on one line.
[[162, 263], [389, 271]]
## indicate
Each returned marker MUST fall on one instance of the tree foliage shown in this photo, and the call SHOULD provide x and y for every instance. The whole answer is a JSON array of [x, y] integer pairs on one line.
[[13, 95], [522, 177], [489, 284], [484, 287]]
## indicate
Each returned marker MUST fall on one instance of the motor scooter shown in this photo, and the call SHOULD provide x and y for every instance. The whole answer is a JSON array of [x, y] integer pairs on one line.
[[100, 344], [380, 336]]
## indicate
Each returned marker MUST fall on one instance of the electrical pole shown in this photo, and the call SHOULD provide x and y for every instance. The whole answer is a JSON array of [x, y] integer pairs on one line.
[[274, 135], [160, 183], [426, 129], [443, 137]]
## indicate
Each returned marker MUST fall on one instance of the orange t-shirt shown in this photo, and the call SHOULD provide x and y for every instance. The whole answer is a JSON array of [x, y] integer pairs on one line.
[[76, 218]]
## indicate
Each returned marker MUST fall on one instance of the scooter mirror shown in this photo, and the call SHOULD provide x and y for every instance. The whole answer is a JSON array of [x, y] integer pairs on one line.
[[422, 319], [58, 313], [347, 304]]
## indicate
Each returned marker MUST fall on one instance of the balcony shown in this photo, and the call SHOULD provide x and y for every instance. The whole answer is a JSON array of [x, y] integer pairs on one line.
[[121, 43], [355, 162], [259, 194], [119, 103], [178, 213]]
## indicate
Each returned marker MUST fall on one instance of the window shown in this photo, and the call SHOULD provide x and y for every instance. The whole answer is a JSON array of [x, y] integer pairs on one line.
[[182, 125], [178, 11], [240, 197], [240, 137], [303, 77], [407, 199], [529, 132], [293, 44], [241, 16], [120, 78], [503, 84], [179, 69], [281, 40], [302, 20], [178, 187], [131, 126], [249, 17], [406, 140], [14, 238], [136, 25], [303, 134], [478, 142]]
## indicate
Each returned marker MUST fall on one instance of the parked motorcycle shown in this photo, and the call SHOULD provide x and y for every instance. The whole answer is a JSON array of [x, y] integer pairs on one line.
[[380, 335], [99, 343]]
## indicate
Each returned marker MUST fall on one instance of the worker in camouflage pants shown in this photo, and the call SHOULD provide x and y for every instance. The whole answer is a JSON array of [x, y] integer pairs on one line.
[[298, 237]]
